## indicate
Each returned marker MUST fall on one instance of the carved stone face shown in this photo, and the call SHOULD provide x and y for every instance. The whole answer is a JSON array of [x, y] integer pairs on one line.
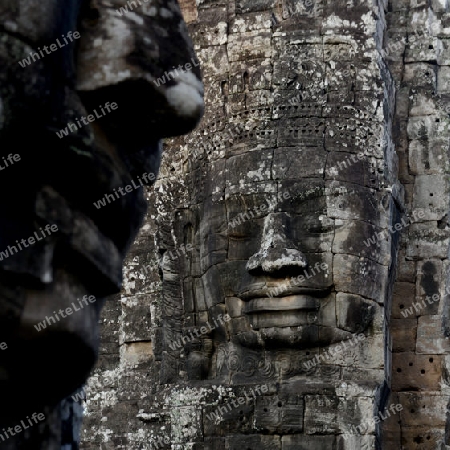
[[97, 220], [290, 262]]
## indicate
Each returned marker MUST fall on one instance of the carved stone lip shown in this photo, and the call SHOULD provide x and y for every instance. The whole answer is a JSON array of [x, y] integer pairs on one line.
[[288, 303], [268, 293]]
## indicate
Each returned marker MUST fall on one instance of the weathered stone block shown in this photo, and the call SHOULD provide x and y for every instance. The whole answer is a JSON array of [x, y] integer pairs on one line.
[[430, 336], [407, 269], [349, 235], [390, 427], [427, 241], [403, 333], [416, 372], [423, 409], [421, 48], [232, 417], [431, 195], [288, 162], [136, 319], [278, 417], [210, 444], [344, 268], [421, 75], [300, 442], [443, 80], [249, 45], [422, 438], [238, 442], [348, 314], [136, 353], [426, 156], [428, 284], [352, 442], [327, 414]]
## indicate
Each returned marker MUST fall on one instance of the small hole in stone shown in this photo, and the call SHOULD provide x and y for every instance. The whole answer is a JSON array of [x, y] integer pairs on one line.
[[402, 306], [422, 371], [410, 364], [431, 194], [431, 360], [265, 409], [399, 370], [430, 47], [428, 438], [412, 411], [280, 404]]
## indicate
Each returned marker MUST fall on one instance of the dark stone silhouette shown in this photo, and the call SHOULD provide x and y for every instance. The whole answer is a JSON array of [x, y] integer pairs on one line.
[[81, 123]]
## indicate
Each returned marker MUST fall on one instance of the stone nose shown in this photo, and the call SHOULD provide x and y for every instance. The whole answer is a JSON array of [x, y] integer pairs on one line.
[[277, 250]]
